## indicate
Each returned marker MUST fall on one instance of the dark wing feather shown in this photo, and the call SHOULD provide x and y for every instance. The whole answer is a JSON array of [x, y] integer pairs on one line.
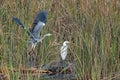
[[22, 25], [18, 22], [41, 17]]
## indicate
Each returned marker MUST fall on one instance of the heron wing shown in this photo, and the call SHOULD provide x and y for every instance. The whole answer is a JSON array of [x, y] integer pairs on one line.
[[38, 23], [19, 22], [37, 29]]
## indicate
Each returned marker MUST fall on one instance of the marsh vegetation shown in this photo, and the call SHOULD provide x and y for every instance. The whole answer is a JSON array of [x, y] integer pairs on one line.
[[92, 27]]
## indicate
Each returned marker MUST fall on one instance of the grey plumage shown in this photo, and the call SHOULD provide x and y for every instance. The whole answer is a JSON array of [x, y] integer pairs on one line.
[[34, 33], [36, 28], [38, 23]]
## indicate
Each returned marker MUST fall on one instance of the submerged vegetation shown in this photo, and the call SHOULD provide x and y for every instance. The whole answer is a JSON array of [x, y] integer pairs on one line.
[[92, 27]]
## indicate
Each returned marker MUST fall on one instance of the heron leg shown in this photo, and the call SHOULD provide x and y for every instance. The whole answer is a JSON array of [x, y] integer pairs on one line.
[[31, 58]]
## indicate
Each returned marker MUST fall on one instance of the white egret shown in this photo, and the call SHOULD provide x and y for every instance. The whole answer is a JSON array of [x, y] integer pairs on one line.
[[63, 50]]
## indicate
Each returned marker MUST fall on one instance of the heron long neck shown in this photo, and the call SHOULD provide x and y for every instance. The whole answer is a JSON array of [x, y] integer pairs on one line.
[[43, 37]]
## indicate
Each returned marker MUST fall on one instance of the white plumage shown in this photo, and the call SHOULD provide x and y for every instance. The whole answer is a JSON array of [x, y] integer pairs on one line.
[[63, 50]]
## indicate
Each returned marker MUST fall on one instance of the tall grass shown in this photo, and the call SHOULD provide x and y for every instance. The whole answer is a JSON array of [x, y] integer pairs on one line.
[[92, 27]]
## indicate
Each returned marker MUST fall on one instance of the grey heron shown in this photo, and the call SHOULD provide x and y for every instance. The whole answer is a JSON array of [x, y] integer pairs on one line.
[[36, 28], [34, 33]]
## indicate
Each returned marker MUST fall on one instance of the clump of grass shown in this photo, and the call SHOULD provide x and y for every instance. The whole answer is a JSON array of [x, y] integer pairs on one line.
[[92, 27]]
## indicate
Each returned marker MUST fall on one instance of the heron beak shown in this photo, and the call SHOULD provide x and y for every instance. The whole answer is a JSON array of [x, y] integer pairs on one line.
[[68, 42]]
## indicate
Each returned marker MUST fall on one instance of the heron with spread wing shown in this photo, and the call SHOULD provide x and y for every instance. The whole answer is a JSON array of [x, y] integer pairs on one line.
[[34, 33], [36, 28]]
